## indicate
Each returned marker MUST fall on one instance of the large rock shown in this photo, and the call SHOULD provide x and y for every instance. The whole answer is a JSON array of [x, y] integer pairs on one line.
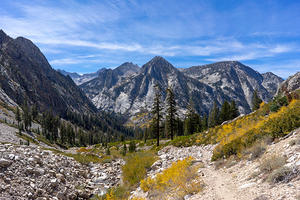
[[5, 163]]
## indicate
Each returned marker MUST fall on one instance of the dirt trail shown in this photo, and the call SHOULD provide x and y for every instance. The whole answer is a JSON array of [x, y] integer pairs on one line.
[[219, 185], [238, 183]]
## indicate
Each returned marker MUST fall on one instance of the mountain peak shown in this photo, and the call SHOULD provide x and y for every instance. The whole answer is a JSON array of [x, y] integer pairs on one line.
[[158, 59], [2, 33], [3, 36]]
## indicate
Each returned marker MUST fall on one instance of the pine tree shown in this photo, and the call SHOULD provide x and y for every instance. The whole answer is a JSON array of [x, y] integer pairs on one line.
[[204, 123], [190, 121], [171, 113], [234, 112], [214, 116], [34, 112], [132, 146], [18, 117], [180, 127], [26, 116], [256, 101], [225, 112], [156, 113]]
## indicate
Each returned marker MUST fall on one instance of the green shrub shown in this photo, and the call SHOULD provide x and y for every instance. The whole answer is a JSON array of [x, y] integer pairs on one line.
[[278, 102], [132, 146], [136, 167]]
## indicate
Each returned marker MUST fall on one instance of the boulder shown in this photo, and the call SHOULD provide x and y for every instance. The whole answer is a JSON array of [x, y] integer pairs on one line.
[[5, 163]]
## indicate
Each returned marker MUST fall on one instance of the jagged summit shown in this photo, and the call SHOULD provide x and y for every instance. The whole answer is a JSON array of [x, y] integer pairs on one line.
[[3, 37], [127, 68], [158, 65]]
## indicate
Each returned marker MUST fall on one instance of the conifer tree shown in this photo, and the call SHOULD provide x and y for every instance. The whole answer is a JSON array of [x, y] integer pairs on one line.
[[132, 146], [190, 121], [26, 116], [204, 123], [18, 117], [34, 112], [156, 113], [213, 119], [225, 112], [256, 101], [171, 113], [234, 112], [180, 127]]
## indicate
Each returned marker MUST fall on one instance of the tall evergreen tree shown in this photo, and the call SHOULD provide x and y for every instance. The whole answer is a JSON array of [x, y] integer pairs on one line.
[[18, 116], [191, 120], [180, 127], [156, 113], [234, 112], [214, 115], [171, 113], [225, 112], [34, 112], [204, 122], [256, 101], [26, 116]]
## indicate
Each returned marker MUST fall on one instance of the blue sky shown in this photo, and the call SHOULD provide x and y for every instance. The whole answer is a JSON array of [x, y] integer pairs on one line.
[[83, 36]]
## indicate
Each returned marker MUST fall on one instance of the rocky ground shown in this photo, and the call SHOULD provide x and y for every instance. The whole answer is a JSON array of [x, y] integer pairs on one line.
[[33, 173]]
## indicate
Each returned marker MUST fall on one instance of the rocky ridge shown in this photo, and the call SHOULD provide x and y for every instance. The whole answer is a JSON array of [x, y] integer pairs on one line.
[[291, 84], [203, 85]]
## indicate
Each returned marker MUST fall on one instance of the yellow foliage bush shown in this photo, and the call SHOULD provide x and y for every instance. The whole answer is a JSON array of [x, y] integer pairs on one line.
[[180, 177], [242, 133]]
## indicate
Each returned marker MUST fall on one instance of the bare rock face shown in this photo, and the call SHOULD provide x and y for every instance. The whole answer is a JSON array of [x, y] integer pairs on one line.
[[291, 84], [32, 173], [132, 94], [26, 74]]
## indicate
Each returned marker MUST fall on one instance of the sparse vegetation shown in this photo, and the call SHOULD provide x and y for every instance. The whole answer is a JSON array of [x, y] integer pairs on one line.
[[282, 174], [256, 150], [136, 167], [270, 163]]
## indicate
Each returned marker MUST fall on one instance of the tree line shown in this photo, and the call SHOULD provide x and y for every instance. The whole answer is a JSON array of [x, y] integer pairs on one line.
[[75, 129], [168, 124]]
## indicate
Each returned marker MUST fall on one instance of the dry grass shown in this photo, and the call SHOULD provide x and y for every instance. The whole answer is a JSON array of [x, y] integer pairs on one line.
[[256, 150], [282, 174], [270, 163]]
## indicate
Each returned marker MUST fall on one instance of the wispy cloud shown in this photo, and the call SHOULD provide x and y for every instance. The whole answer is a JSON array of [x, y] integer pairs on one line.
[[96, 33]]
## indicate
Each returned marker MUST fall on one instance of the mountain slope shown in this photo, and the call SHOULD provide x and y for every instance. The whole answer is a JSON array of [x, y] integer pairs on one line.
[[26, 74], [202, 84], [290, 85], [271, 82], [236, 80], [126, 69]]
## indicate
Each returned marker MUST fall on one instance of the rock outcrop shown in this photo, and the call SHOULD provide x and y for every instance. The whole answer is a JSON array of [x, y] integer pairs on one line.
[[290, 85]]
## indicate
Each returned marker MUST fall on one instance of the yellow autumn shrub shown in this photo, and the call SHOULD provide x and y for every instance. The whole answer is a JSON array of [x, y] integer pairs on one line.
[[245, 131], [180, 177]]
